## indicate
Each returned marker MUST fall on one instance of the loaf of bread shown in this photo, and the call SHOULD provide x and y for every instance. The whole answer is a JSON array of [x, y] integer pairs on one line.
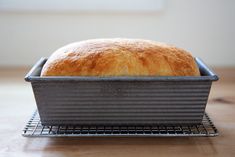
[[120, 57]]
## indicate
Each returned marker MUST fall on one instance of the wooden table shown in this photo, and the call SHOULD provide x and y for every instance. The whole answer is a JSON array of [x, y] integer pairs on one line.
[[17, 104]]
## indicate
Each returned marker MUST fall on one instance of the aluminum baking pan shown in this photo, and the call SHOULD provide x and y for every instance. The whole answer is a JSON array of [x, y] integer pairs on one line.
[[81, 100]]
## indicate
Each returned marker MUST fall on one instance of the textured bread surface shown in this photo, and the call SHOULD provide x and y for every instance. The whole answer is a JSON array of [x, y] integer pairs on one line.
[[120, 57]]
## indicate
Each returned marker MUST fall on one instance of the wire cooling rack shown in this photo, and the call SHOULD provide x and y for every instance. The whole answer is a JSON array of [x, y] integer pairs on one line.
[[34, 128]]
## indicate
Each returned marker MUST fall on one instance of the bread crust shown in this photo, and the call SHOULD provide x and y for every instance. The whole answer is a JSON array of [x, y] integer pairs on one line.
[[120, 57]]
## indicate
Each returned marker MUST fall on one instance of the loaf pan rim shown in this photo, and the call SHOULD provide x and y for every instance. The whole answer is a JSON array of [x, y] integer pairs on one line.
[[211, 75]]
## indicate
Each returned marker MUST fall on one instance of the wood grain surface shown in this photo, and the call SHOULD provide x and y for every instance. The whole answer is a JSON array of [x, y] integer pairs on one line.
[[17, 104]]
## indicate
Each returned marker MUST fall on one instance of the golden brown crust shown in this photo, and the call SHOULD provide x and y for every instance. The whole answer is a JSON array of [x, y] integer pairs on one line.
[[120, 57]]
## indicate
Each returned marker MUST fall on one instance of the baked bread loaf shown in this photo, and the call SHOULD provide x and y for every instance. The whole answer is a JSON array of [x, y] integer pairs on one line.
[[120, 57]]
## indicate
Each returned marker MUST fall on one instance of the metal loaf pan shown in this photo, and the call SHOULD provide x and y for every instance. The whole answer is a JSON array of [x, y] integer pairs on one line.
[[123, 101]]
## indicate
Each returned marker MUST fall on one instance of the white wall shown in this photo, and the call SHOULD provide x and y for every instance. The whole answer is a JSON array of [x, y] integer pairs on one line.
[[204, 27]]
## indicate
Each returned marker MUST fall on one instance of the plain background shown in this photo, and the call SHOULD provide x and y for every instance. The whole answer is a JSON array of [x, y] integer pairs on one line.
[[206, 28]]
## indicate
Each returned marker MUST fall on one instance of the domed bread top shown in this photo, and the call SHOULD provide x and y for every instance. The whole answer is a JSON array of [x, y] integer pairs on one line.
[[120, 57]]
